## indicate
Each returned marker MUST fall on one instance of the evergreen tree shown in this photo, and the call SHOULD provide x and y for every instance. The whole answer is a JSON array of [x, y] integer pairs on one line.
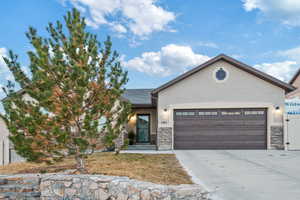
[[75, 92]]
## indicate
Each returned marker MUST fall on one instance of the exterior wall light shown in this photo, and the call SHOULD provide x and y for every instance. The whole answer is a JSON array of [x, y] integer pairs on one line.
[[133, 118], [164, 116], [277, 110]]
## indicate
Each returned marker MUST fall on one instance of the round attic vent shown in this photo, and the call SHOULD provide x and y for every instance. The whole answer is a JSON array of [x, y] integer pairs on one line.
[[220, 74]]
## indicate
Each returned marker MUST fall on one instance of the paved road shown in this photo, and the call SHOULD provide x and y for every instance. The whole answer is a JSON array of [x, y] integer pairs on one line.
[[245, 175]]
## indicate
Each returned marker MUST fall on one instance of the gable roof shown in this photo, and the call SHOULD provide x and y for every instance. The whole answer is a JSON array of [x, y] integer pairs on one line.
[[287, 87], [295, 77], [138, 97]]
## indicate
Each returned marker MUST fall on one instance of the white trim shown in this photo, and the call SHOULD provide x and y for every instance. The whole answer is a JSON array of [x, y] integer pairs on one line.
[[268, 106], [285, 132]]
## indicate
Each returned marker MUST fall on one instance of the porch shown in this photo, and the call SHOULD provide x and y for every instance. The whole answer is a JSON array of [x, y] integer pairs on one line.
[[142, 126], [142, 129]]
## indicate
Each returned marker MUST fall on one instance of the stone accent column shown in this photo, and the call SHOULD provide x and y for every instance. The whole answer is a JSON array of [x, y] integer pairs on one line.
[[277, 137], [164, 138]]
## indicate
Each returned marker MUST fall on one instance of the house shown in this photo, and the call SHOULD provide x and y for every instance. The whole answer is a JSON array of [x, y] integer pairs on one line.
[[295, 81], [221, 104]]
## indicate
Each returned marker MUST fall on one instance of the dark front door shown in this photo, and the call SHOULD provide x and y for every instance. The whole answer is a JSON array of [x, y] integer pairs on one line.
[[143, 128], [220, 128]]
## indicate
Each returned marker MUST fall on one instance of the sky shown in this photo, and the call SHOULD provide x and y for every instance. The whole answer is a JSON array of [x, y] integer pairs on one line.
[[160, 39]]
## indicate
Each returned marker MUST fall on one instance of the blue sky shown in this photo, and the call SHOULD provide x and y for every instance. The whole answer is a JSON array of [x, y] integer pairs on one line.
[[159, 39]]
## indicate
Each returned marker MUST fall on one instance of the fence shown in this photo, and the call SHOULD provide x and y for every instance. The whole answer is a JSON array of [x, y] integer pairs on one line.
[[292, 130], [292, 124]]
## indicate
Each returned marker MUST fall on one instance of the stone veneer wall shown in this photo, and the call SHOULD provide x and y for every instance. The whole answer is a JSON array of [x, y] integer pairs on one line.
[[96, 187], [277, 141], [164, 138]]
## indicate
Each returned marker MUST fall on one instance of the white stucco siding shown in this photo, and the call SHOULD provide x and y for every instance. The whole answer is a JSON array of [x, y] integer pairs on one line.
[[239, 87], [4, 143], [240, 90]]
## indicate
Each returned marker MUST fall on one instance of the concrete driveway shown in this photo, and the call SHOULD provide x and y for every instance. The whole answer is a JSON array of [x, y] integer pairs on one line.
[[245, 174]]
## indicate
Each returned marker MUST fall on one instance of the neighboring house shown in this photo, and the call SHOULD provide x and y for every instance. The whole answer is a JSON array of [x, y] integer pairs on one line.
[[295, 81], [221, 104], [292, 122], [4, 144]]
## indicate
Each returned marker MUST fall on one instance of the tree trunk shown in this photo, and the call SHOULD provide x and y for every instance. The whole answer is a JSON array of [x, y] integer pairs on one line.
[[117, 150], [80, 164]]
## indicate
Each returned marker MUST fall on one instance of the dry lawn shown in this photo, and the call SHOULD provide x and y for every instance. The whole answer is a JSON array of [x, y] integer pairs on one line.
[[156, 168]]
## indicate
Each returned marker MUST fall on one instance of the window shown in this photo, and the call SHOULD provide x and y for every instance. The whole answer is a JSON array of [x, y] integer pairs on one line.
[[230, 113], [101, 123], [185, 113], [254, 112], [206, 113]]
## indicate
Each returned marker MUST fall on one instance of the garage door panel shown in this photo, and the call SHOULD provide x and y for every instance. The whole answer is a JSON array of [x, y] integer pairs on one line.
[[221, 145], [216, 122], [221, 138], [226, 136], [204, 143], [221, 129]]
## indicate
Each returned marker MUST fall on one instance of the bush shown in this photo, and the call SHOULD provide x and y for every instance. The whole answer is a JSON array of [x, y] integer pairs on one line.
[[131, 137]]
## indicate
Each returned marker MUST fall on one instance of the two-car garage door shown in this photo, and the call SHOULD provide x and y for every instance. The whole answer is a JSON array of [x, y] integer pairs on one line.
[[220, 128]]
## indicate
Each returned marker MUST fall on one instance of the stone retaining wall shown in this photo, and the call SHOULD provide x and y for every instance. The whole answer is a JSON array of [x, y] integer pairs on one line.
[[98, 187]]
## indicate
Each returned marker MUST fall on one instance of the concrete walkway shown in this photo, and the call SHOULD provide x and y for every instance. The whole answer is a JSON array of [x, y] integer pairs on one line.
[[245, 175], [147, 152]]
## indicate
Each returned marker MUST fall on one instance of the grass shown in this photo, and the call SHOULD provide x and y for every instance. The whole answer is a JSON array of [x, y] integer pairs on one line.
[[156, 168]]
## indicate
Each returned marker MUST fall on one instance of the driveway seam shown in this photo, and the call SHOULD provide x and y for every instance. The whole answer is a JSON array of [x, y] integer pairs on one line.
[[212, 192]]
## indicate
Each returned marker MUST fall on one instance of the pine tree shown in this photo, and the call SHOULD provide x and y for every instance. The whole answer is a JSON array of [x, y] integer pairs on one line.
[[75, 90]]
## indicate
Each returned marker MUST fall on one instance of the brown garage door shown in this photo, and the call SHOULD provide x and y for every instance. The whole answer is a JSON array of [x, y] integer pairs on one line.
[[220, 128]]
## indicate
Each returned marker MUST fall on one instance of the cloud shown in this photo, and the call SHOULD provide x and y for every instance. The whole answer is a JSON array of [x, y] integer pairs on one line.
[[5, 74], [208, 44], [4, 71], [168, 60], [293, 53], [286, 11], [119, 28], [140, 17], [237, 56], [281, 70], [3, 53]]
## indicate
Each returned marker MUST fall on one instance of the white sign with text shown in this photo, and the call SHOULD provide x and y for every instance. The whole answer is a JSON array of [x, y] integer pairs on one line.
[[292, 106]]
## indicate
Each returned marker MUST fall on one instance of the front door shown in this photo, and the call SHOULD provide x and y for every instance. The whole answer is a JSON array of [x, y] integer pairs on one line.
[[143, 128]]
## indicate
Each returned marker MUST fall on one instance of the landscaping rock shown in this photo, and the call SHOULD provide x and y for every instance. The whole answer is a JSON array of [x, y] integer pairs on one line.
[[96, 187]]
